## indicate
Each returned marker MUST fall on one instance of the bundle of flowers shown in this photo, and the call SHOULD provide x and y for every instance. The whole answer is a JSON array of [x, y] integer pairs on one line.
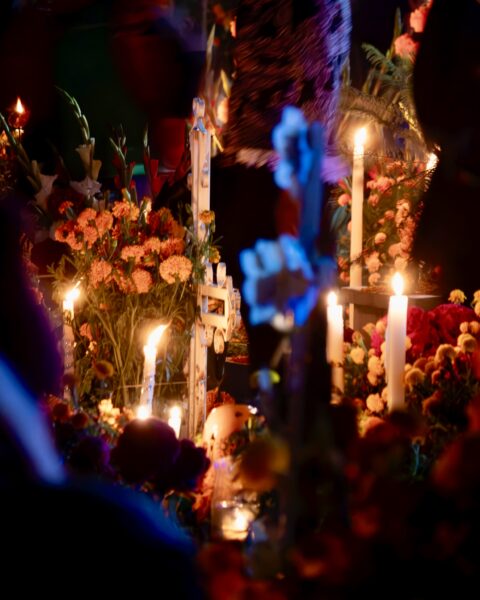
[[442, 374], [390, 213], [396, 157], [133, 264]]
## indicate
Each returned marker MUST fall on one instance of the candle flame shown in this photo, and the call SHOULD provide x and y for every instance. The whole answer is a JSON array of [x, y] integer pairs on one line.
[[397, 284], [175, 412], [432, 161], [332, 299], [143, 412], [360, 136], [19, 108], [72, 294], [155, 335]]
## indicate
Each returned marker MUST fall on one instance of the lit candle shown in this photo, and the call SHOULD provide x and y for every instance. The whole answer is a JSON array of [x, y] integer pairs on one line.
[[175, 419], [68, 336], [395, 345], [335, 340], [18, 118], [356, 233], [232, 520], [149, 368]]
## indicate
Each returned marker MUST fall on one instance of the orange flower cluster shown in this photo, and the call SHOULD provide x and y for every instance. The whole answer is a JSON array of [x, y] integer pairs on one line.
[[128, 246]]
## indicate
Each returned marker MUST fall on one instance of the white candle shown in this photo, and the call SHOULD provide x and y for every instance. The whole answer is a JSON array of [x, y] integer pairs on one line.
[[149, 367], [68, 336], [395, 345], [335, 340], [175, 419], [356, 233]]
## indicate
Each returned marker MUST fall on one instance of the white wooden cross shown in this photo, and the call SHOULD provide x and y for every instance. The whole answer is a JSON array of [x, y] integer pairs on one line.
[[200, 144], [218, 303]]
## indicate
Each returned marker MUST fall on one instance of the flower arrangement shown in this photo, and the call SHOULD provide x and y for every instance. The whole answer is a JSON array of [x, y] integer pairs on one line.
[[398, 162], [390, 214], [442, 374], [134, 265]]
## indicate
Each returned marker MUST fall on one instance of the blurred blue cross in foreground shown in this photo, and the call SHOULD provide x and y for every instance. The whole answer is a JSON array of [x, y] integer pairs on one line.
[[284, 277]]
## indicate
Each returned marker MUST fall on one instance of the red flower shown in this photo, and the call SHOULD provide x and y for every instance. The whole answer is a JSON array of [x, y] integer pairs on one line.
[[446, 319]]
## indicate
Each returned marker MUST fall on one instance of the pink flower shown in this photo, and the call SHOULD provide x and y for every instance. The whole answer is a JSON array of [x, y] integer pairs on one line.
[[389, 215], [344, 199], [401, 263], [380, 237], [100, 271], [142, 280], [405, 47], [373, 199], [176, 267], [374, 279], [86, 331], [418, 18], [372, 262], [395, 250]]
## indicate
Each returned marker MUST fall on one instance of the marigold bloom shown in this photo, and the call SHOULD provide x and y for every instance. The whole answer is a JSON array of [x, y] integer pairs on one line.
[[87, 215], [125, 210], [176, 267], [170, 247], [104, 222], [152, 244], [100, 271], [457, 297], [135, 252], [207, 217], [142, 280], [90, 235]]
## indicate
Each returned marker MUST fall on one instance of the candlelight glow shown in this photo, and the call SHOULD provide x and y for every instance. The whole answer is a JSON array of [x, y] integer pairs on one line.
[[155, 335], [360, 136], [397, 284], [432, 161], [175, 419], [143, 412], [19, 108], [175, 412], [72, 295], [332, 299]]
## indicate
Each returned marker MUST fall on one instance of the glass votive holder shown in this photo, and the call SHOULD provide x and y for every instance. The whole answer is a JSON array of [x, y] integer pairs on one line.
[[231, 520]]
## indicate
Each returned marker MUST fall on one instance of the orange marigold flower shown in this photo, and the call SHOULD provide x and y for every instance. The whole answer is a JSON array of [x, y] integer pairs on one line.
[[104, 222], [87, 215], [75, 239], [176, 267], [207, 216], [135, 252], [125, 283], [142, 280], [62, 232], [100, 272], [170, 247], [152, 244], [90, 235], [64, 206], [125, 210]]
